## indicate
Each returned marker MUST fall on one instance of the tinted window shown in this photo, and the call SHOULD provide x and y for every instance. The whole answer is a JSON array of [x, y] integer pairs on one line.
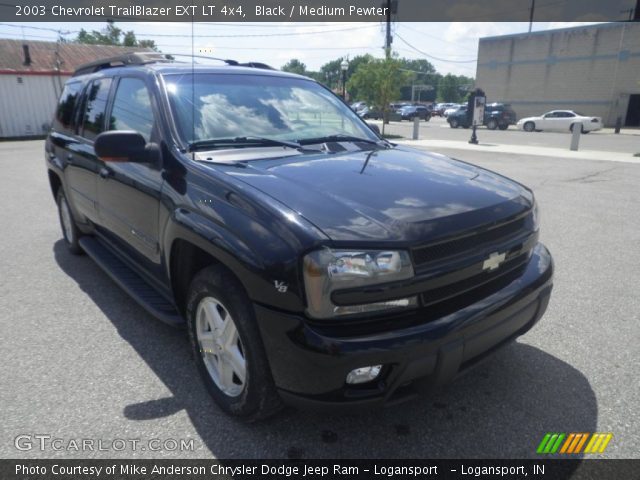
[[132, 108], [95, 105], [66, 105], [209, 106]]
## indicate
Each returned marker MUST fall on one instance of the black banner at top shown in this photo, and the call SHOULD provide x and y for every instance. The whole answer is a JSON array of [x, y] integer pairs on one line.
[[319, 10]]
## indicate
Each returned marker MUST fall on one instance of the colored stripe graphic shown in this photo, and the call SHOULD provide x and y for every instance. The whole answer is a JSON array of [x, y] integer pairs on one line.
[[567, 443], [573, 443], [598, 442], [543, 443], [550, 443], [582, 441]]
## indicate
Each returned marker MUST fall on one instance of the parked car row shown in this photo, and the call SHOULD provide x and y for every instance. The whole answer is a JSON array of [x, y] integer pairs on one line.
[[398, 111], [496, 116]]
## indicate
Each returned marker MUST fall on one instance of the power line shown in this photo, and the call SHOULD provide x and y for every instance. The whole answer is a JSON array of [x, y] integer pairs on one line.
[[437, 38], [431, 56]]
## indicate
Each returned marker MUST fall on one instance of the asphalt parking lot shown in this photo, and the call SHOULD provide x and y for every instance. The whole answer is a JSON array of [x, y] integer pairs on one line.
[[80, 360]]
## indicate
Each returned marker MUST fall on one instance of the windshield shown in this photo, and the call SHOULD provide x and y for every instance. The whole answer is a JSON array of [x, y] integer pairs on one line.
[[221, 106]]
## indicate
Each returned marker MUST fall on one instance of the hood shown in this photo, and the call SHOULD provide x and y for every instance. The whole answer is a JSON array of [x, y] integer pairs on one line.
[[398, 195]]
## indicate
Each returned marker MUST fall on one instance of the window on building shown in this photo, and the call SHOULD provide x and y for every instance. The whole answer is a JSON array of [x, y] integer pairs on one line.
[[95, 106], [132, 108], [66, 105]]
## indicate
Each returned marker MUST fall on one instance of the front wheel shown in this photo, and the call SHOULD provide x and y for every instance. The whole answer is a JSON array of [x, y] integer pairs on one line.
[[503, 126], [529, 127], [454, 123], [492, 124], [227, 347], [70, 231]]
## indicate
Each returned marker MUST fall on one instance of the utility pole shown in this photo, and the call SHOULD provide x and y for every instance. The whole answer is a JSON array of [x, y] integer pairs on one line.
[[531, 10], [387, 43]]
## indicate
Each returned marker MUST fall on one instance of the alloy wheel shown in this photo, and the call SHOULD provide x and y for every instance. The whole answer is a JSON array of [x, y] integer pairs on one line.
[[220, 346]]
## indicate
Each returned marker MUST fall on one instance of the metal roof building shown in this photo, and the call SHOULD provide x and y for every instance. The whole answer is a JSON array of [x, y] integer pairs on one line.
[[32, 75], [594, 69]]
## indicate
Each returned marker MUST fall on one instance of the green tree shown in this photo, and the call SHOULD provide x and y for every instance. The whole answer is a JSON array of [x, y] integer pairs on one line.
[[378, 83], [295, 66], [331, 74], [448, 89], [112, 35]]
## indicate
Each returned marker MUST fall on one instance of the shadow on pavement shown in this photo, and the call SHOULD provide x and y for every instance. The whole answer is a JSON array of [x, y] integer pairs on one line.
[[501, 409]]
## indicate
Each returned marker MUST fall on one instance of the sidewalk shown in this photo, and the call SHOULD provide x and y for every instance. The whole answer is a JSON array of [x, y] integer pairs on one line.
[[523, 150]]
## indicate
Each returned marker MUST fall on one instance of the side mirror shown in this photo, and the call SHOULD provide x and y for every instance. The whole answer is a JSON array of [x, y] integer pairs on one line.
[[374, 127], [125, 146]]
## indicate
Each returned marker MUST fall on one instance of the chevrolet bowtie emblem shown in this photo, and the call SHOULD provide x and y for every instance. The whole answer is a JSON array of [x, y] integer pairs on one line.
[[494, 261]]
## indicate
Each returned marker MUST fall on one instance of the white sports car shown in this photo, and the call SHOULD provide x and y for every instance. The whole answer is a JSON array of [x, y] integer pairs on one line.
[[560, 120]]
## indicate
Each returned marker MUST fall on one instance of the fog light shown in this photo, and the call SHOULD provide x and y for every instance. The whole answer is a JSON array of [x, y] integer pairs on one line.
[[364, 374]]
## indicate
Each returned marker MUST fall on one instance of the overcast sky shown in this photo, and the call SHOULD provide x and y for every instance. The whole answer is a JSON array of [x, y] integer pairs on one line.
[[451, 46]]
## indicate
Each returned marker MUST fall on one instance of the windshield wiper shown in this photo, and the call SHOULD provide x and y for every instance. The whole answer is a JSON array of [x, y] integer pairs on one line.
[[340, 137], [250, 141]]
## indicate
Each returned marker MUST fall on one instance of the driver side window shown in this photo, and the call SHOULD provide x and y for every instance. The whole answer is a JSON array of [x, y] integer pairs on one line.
[[132, 108]]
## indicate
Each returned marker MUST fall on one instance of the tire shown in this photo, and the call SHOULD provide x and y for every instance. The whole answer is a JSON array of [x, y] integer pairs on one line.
[[503, 126], [529, 127], [216, 298], [492, 124], [453, 122], [70, 232], [581, 127]]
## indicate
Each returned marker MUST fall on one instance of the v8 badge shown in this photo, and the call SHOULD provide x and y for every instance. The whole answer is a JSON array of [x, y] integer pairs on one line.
[[281, 286]]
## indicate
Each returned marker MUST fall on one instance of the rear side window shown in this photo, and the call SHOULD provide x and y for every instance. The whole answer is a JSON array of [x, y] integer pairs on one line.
[[95, 106], [64, 120], [132, 108]]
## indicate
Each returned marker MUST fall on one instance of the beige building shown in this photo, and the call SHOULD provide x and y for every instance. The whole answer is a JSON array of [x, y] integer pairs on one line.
[[32, 75], [592, 69]]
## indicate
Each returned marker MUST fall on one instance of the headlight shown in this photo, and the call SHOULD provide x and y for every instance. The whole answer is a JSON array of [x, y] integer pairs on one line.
[[328, 270]]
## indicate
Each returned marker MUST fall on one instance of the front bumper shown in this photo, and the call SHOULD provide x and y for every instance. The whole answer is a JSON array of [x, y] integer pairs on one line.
[[309, 367]]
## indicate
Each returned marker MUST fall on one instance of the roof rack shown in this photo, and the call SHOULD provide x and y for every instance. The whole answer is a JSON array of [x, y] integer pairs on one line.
[[134, 58], [143, 58]]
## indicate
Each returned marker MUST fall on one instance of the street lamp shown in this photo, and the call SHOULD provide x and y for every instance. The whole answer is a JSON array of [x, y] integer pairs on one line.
[[344, 66]]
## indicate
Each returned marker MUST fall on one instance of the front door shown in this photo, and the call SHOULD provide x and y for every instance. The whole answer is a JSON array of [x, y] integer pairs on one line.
[[129, 192]]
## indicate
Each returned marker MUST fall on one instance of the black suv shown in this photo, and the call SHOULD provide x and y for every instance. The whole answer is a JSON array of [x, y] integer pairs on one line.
[[499, 115], [312, 261], [496, 115]]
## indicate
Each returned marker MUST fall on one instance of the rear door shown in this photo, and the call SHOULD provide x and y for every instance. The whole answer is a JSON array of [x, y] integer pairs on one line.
[[565, 119], [82, 164], [79, 181], [128, 192]]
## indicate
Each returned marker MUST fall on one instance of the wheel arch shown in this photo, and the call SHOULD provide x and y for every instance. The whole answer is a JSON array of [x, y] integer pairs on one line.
[[55, 182], [192, 242]]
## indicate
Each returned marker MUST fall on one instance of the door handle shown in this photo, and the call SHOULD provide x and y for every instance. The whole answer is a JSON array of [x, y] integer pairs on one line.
[[105, 172]]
